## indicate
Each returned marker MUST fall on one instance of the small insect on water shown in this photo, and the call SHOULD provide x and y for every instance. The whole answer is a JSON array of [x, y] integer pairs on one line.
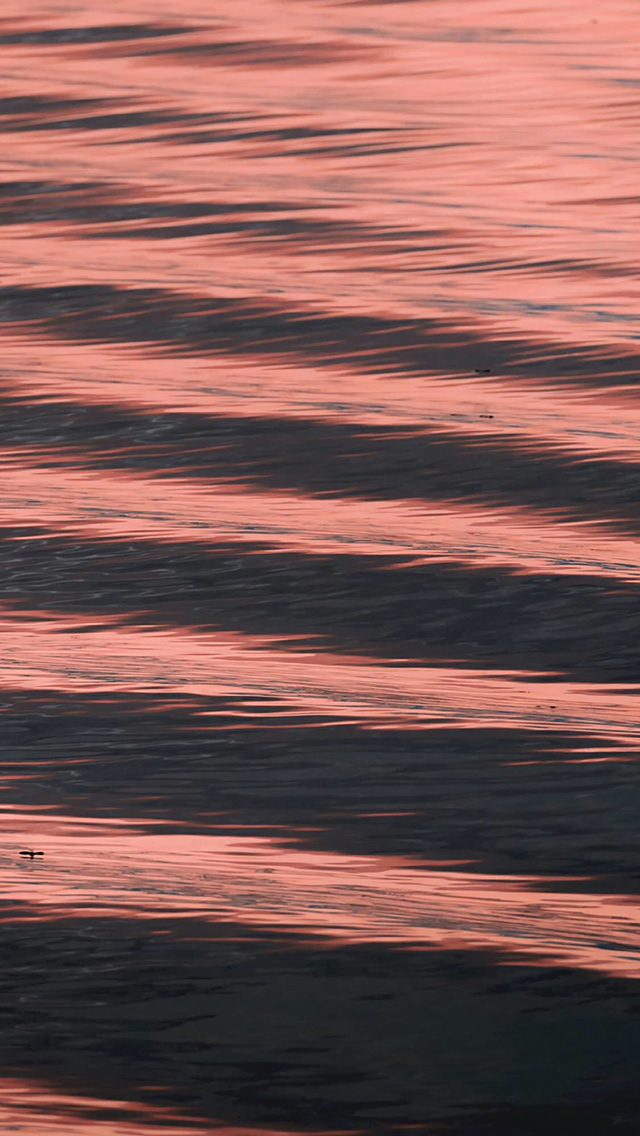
[[31, 854]]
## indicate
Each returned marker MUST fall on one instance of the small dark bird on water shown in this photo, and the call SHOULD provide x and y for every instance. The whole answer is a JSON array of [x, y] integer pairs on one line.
[[31, 854]]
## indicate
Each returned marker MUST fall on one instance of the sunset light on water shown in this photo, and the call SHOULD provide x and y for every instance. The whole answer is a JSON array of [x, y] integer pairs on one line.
[[320, 540]]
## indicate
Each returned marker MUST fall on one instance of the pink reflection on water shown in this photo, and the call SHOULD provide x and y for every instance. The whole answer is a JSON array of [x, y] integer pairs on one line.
[[124, 505], [507, 128], [531, 416], [115, 870], [498, 192], [498, 133], [90, 654], [36, 1109]]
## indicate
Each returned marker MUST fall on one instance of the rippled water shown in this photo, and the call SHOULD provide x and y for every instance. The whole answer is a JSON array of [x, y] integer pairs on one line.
[[319, 601]]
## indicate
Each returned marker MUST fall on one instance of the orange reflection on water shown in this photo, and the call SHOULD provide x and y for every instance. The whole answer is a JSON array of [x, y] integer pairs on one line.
[[117, 870]]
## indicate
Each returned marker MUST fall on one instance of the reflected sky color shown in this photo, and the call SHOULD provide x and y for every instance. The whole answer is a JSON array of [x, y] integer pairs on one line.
[[92, 869], [582, 422], [319, 442], [399, 96], [118, 505], [82, 655], [37, 1110]]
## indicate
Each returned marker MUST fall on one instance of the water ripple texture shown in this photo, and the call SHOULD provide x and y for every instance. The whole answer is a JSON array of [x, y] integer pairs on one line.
[[320, 567]]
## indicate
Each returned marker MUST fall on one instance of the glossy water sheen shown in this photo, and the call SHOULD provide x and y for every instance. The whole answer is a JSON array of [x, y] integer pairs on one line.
[[320, 588]]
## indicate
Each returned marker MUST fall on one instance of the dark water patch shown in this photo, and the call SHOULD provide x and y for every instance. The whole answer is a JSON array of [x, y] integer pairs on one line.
[[266, 1030], [27, 106], [345, 604], [598, 1119], [21, 114], [367, 149], [20, 193], [257, 228], [296, 231], [504, 801], [35, 113], [559, 266], [287, 134], [196, 325], [117, 120], [100, 33], [312, 141], [270, 52], [101, 203]]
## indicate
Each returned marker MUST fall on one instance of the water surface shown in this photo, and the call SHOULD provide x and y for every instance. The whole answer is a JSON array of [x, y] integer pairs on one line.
[[320, 544]]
